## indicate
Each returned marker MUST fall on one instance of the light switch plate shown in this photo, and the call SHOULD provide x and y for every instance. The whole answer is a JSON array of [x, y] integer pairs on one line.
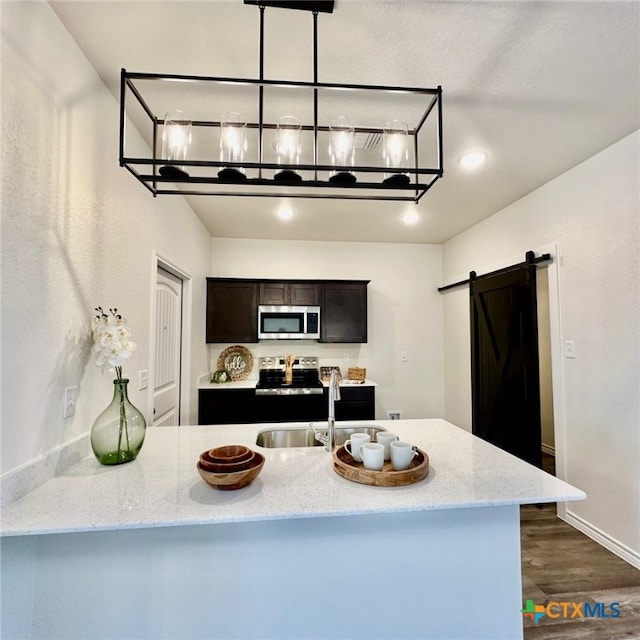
[[569, 349], [144, 379], [70, 401]]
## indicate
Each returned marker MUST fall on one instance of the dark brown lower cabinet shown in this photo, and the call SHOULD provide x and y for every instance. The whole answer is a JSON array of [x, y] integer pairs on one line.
[[240, 406], [356, 403], [226, 406], [303, 408]]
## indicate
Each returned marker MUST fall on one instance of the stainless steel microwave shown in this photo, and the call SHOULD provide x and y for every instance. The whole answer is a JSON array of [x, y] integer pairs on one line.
[[283, 322]]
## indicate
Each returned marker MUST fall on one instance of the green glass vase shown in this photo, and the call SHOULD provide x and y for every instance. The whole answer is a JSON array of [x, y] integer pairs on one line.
[[118, 432]]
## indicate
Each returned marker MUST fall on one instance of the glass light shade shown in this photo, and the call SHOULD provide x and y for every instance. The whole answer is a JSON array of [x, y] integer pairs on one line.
[[342, 148], [288, 147], [233, 137], [288, 140], [233, 144], [395, 150], [176, 138]]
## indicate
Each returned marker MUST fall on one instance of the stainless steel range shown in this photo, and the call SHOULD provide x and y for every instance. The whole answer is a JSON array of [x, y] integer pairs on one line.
[[288, 376]]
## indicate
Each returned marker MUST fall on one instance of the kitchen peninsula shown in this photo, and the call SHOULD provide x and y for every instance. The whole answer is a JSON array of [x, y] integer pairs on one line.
[[148, 550]]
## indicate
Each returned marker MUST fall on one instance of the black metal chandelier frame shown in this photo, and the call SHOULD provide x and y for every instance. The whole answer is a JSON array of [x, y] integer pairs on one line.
[[146, 169]]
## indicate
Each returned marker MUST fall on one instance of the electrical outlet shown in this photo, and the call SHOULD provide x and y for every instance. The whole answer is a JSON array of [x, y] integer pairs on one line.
[[70, 401], [394, 415], [404, 356]]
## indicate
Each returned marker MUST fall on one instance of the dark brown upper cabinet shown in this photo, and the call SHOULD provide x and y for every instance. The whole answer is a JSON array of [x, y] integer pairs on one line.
[[232, 310], [232, 307], [343, 311], [290, 293]]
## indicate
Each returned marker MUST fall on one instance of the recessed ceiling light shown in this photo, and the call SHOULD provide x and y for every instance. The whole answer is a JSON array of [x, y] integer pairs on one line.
[[285, 213], [472, 160], [410, 217]]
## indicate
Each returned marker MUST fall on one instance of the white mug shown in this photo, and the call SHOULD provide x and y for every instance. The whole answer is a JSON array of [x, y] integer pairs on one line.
[[372, 454], [402, 453], [385, 438], [354, 443]]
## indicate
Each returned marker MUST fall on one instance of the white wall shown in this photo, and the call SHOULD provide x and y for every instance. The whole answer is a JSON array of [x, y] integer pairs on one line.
[[77, 231], [592, 213], [404, 311]]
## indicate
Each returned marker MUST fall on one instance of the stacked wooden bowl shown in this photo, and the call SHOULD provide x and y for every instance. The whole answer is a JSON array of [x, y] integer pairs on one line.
[[229, 467]]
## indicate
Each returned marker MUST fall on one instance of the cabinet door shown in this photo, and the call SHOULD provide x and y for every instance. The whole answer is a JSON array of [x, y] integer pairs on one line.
[[226, 406], [232, 311], [356, 403], [295, 294], [303, 294], [274, 293], [343, 312], [302, 408]]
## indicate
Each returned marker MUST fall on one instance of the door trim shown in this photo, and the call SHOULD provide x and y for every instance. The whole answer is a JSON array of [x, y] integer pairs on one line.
[[557, 365], [159, 261]]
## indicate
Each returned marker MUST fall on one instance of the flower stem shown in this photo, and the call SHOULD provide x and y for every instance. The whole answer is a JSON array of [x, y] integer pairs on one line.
[[123, 419]]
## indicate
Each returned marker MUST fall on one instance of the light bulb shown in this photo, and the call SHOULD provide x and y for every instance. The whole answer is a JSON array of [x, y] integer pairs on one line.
[[410, 217], [473, 160], [285, 214]]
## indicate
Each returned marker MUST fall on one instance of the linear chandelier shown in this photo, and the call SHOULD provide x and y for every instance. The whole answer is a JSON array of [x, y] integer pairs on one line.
[[280, 138]]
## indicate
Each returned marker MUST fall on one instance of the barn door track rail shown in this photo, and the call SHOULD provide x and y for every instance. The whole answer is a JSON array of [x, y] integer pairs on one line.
[[530, 258]]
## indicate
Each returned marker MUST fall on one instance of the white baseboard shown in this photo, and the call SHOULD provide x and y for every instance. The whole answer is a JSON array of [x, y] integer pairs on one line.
[[547, 449], [602, 538], [18, 482]]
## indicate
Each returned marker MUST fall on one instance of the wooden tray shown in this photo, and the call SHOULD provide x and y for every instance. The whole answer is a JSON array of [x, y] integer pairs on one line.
[[347, 467]]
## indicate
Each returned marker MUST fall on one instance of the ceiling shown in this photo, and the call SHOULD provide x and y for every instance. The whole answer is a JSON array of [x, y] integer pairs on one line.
[[539, 85]]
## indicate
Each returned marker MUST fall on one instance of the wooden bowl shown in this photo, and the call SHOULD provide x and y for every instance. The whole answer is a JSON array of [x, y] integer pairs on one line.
[[228, 454], [228, 480], [227, 467]]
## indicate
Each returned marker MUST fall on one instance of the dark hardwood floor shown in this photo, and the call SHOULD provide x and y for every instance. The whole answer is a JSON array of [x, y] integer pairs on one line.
[[560, 564]]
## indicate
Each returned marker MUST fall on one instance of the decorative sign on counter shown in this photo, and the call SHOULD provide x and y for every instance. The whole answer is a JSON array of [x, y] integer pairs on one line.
[[237, 361]]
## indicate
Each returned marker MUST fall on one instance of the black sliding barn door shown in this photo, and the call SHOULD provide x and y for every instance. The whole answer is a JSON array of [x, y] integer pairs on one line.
[[504, 361]]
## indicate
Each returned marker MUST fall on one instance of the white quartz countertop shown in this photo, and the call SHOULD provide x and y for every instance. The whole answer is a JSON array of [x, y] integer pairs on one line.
[[236, 384], [251, 384], [162, 487]]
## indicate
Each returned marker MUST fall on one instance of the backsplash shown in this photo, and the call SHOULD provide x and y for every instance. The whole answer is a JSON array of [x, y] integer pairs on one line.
[[338, 355]]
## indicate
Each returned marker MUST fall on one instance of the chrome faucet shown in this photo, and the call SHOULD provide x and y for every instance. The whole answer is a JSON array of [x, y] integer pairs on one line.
[[329, 439], [334, 396]]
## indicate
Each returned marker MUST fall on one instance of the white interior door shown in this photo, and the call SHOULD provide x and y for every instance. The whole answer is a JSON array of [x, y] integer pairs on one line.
[[166, 391]]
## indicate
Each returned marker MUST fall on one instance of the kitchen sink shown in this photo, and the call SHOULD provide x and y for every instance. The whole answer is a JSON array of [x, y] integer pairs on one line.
[[305, 437]]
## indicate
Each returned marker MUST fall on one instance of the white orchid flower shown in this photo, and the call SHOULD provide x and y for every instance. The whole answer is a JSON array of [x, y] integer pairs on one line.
[[112, 340]]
